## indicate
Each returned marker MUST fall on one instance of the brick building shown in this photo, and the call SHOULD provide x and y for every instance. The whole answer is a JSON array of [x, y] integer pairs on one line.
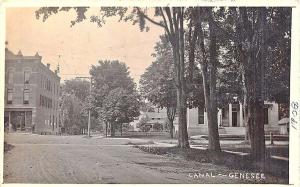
[[31, 94]]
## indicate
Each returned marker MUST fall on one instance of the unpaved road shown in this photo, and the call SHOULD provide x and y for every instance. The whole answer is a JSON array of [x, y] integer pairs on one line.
[[75, 159]]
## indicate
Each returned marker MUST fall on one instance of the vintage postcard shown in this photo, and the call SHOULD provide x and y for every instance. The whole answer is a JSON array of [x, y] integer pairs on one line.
[[137, 92]]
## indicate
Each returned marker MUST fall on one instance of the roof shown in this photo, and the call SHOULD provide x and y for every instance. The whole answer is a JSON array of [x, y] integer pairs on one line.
[[156, 115], [9, 54]]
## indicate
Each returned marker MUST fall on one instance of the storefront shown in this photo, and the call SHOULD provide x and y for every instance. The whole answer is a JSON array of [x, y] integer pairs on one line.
[[18, 120]]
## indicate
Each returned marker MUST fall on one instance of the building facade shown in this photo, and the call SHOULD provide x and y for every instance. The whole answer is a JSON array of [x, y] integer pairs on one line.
[[231, 119], [31, 94], [157, 117]]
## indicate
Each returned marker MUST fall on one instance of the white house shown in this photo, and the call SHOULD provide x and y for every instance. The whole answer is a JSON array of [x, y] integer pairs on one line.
[[230, 120]]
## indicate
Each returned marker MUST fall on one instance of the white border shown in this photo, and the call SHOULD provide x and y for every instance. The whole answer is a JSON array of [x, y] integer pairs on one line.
[[295, 60], [294, 97]]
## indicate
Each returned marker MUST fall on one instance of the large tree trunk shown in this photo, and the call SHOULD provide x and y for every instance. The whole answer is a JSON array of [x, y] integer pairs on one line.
[[171, 129], [214, 143], [209, 82], [211, 110], [171, 115], [253, 56], [177, 42], [245, 113], [182, 130], [256, 130]]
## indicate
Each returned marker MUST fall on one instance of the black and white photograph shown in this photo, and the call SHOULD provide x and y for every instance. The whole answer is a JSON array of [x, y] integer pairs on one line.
[[149, 95]]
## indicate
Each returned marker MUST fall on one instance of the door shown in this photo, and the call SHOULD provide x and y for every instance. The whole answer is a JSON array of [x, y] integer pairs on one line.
[[234, 119], [18, 120], [6, 123]]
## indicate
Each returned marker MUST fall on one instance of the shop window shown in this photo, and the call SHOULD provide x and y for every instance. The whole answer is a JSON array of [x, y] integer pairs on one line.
[[9, 96]]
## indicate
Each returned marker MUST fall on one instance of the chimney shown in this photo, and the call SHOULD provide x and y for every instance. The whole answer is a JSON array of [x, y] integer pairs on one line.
[[48, 65]]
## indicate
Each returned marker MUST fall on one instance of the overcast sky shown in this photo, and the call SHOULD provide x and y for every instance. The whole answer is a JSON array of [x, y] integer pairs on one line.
[[82, 45]]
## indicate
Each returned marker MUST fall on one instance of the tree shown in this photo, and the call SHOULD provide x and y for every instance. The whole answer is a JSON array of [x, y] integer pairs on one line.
[[74, 105], [116, 98], [142, 124], [72, 112], [202, 34], [78, 87], [157, 84]]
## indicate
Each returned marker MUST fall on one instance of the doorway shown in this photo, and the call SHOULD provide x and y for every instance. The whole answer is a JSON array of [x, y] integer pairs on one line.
[[234, 119], [18, 120]]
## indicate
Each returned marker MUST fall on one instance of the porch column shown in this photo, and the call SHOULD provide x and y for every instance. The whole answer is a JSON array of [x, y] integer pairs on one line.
[[10, 129], [241, 116], [230, 115], [219, 117], [25, 119], [205, 118]]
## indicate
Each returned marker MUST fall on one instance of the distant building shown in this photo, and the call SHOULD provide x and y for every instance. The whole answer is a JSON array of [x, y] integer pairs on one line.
[[31, 94], [159, 116]]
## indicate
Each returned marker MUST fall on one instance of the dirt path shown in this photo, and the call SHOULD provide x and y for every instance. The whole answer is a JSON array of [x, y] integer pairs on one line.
[[73, 159]]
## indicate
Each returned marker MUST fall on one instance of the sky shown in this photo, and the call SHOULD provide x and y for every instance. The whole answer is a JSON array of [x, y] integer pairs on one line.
[[77, 48]]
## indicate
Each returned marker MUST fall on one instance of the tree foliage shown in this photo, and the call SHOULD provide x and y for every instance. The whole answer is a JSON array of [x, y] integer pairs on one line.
[[116, 99], [157, 83]]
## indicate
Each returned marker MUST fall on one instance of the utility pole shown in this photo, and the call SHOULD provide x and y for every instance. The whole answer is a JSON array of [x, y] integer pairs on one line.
[[89, 112]]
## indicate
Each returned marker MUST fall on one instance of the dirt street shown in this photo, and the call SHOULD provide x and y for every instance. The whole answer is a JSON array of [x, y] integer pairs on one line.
[[76, 159]]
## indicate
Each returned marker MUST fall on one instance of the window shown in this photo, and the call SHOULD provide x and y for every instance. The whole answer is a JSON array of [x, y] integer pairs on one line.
[[26, 77], [9, 96], [200, 115], [49, 85], [10, 76], [26, 96], [45, 84], [266, 116]]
